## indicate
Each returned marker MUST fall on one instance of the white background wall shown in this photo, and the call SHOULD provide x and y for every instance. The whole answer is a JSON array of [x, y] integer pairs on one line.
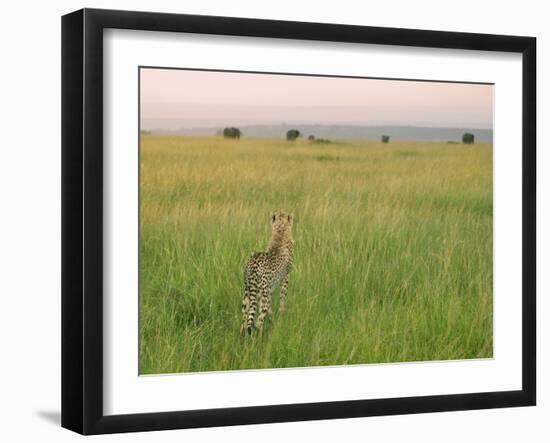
[[30, 219]]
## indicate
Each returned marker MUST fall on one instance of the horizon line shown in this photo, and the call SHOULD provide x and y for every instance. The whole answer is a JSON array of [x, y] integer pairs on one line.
[[322, 124]]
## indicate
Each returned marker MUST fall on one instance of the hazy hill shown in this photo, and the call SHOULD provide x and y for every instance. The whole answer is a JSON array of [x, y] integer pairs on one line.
[[347, 132]]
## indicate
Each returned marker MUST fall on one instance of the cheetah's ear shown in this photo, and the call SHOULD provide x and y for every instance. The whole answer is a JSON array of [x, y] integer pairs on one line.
[[273, 217], [290, 218]]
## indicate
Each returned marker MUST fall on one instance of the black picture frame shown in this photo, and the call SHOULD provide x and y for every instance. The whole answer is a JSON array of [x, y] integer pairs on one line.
[[82, 219]]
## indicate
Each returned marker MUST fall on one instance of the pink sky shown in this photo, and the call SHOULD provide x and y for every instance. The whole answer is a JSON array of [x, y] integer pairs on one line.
[[172, 99]]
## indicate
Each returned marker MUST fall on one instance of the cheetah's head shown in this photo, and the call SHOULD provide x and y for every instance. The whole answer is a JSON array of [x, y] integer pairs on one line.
[[281, 223]]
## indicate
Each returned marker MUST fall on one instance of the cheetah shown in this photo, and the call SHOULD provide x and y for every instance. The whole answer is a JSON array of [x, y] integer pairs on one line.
[[265, 272]]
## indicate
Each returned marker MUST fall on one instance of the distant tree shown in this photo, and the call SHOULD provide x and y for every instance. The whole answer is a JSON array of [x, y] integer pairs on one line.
[[145, 132], [232, 133], [292, 134], [311, 138], [385, 139], [468, 138]]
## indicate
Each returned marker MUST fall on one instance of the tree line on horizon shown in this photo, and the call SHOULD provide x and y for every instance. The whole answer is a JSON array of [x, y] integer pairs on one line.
[[294, 134]]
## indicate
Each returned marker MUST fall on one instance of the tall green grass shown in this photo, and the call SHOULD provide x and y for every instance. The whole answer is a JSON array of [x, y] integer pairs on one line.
[[393, 251]]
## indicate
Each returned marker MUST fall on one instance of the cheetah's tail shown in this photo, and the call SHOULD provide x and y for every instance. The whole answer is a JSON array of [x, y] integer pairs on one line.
[[245, 311]]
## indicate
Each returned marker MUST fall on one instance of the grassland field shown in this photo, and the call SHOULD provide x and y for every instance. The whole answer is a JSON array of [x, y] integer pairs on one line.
[[393, 251]]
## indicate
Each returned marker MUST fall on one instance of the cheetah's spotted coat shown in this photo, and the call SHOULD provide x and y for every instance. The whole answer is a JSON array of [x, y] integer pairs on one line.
[[265, 272]]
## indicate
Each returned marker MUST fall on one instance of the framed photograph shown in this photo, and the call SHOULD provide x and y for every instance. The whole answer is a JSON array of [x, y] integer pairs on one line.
[[269, 221]]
